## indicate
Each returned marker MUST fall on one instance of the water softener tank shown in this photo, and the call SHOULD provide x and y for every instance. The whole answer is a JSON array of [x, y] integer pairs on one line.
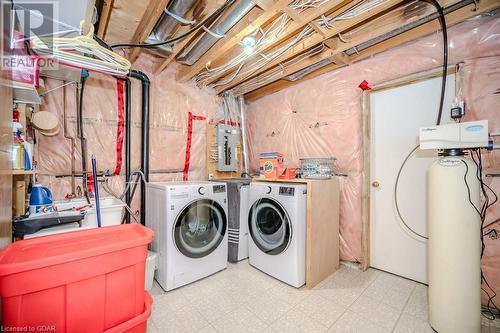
[[454, 246]]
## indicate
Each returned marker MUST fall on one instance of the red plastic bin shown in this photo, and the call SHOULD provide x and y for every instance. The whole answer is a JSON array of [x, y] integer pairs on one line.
[[85, 281], [138, 324]]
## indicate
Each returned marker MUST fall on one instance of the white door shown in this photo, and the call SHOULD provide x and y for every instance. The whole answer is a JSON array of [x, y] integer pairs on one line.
[[396, 116]]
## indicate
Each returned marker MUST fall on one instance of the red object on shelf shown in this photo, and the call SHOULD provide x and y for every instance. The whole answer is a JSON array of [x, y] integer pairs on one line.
[[86, 281], [287, 173], [138, 324]]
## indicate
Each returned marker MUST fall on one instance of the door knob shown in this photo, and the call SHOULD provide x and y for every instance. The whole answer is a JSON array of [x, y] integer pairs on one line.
[[375, 183]]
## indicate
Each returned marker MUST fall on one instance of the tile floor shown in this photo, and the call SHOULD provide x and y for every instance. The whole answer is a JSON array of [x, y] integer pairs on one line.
[[243, 299]]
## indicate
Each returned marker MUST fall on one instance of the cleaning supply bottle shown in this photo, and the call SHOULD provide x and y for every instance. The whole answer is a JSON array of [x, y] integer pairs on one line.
[[40, 199]]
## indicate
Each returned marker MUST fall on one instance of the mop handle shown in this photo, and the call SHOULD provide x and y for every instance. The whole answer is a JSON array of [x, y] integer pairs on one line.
[[96, 191]]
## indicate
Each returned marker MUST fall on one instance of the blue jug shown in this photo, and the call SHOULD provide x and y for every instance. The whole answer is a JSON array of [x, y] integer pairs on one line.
[[40, 198]]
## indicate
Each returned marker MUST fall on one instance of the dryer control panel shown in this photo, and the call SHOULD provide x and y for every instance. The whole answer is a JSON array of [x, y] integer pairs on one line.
[[285, 190]]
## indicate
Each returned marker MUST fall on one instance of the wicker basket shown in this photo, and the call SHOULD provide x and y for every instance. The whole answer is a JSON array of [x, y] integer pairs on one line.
[[317, 168]]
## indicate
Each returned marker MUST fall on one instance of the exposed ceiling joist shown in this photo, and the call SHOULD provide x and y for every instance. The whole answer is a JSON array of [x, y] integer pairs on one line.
[[315, 39], [337, 45], [233, 38], [148, 21], [290, 30], [420, 31], [295, 16], [334, 8], [107, 6], [265, 4]]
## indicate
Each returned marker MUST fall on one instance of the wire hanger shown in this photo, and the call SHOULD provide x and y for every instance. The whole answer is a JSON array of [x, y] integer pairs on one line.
[[82, 52]]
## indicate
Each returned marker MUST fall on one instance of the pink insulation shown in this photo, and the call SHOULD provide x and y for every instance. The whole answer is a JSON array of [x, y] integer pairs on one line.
[[317, 118], [170, 104], [321, 117]]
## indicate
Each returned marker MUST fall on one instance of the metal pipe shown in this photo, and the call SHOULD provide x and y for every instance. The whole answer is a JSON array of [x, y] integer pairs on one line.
[[128, 142], [81, 135], [106, 173], [72, 138], [220, 27], [166, 25], [145, 85]]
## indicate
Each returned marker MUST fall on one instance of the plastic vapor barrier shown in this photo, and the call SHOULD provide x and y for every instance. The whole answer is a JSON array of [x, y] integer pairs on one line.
[[169, 106], [321, 117]]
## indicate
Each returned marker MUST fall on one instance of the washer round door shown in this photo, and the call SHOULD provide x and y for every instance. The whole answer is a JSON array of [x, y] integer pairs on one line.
[[269, 226], [200, 228]]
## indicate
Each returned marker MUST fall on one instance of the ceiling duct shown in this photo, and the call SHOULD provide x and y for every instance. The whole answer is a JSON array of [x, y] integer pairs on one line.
[[217, 30], [165, 26]]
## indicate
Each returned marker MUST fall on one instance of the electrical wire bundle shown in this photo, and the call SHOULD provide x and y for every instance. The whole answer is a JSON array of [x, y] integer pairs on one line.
[[490, 310], [276, 29]]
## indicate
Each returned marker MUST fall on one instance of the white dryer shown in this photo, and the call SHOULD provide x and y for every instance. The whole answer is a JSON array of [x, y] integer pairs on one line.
[[277, 226], [190, 225]]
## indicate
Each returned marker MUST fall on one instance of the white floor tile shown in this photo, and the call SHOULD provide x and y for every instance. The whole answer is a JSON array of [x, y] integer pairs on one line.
[[376, 312], [342, 294], [186, 319], [240, 320], [151, 327], [319, 309], [288, 293], [166, 302], [417, 304], [351, 322], [411, 324], [297, 321], [216, 306], [268, 307], [207, 329], [244, 299]]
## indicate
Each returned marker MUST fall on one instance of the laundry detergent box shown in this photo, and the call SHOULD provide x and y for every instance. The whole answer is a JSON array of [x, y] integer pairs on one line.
[[270, 164]]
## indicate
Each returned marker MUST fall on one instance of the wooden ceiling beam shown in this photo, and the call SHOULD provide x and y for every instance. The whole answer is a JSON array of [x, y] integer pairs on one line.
[[317, 28], [294, 27], [338, 45], [295, 16], [232, 39], [161, 64], [107, 7], [148, 21], [452, 18], [265, 4], [316, 39], [341, 59]]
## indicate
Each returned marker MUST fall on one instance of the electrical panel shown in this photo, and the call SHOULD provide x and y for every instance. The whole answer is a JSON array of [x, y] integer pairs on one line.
[[227, 141]]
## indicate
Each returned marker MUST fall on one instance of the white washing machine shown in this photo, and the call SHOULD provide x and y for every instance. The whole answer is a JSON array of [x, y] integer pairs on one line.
[[277, 228], [190, 225]]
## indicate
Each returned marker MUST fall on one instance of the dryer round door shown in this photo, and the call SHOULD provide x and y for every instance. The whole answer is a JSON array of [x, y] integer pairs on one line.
[[269, 226], [200, 228]]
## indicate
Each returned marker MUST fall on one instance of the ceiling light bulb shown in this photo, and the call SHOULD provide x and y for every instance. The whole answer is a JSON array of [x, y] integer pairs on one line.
[[248, 41], [248, 50]]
